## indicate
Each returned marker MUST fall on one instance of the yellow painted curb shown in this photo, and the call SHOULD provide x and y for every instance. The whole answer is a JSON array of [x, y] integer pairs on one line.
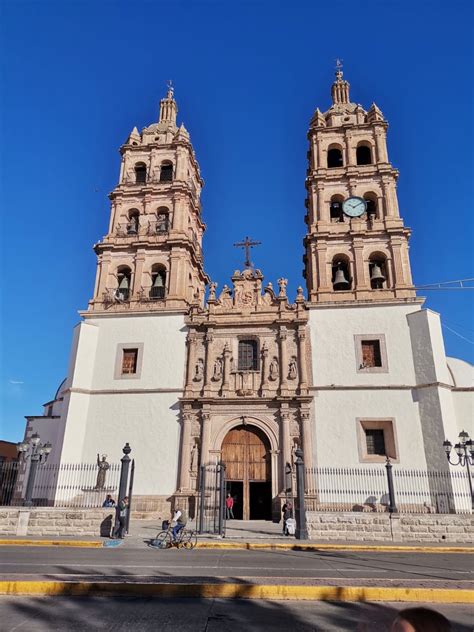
[[239, 591], [335, 547], [78, 543]]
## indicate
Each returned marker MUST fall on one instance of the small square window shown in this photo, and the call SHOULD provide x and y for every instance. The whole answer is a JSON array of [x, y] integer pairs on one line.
[[248, 359], [129, 361], [375, 441], [371, 353]]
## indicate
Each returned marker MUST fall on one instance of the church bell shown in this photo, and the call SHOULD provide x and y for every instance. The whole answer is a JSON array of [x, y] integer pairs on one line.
[[158, 281], [340, 281], [123, 284], [377, 277]]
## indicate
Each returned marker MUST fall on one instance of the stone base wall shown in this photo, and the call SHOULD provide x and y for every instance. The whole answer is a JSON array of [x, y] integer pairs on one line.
[[373, 527], [52, 521]]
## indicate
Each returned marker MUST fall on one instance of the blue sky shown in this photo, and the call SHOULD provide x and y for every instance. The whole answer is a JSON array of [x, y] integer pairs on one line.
[[77, 76]]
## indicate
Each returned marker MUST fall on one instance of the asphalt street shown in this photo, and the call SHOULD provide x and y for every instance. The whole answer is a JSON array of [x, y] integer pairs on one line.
[[77, 614], [266, 566]]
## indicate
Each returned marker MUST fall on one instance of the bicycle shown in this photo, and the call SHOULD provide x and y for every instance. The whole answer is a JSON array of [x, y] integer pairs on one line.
[[186, 538]]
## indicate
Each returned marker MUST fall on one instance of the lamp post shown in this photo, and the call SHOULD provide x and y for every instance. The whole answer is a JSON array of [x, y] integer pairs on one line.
[[465, 453], [36, 452]]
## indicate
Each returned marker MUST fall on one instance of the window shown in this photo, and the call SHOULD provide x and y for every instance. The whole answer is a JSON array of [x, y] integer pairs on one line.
[[334, 158], [371, 355], [129, 361], [166, 172], [363, 155], [248, 360], [140, 173], [375, 441]]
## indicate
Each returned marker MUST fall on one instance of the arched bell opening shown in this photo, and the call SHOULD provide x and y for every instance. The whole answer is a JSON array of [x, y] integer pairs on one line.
[[166, 171], [363, 154], [372, 205], [378, 272], [335, 156], [162, 220], [246, 453], [335, 208], [124, 283], [341, 276], [158, 282]]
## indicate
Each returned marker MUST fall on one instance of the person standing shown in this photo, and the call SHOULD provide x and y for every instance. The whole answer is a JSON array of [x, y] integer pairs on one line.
[[122, 511], [229, 507], [287, 513]]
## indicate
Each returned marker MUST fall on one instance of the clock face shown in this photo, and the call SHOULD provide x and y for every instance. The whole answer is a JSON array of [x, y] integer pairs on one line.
[[354, 206]]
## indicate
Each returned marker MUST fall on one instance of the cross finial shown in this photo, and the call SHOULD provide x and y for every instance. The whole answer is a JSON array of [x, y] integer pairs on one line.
[[339, 68], [170, 94], [247, 244]]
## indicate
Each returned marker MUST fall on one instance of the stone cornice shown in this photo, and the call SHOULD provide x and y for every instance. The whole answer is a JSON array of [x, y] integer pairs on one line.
[[389, 387], [127, 391], [365, 303]]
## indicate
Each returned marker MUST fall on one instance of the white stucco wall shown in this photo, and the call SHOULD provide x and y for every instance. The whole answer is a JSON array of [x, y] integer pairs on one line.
[[103, 410]]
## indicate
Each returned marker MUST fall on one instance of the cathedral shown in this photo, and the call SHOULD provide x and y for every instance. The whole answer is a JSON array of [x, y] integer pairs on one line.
[[351, 370]]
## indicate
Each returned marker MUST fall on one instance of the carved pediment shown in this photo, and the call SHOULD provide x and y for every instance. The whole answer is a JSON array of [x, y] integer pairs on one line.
[[247, 292]]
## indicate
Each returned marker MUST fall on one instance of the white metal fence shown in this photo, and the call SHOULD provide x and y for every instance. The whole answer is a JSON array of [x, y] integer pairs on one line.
[[366, 489]]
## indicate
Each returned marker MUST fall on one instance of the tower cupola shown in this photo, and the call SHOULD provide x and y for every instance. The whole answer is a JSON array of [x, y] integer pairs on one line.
[[340, 88], [168, 107]]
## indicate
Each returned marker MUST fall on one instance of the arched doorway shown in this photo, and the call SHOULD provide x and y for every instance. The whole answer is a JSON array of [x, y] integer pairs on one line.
[[246, 454]]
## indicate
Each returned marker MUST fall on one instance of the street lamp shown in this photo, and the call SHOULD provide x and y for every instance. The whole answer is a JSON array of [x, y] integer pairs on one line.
[[465, 453], [37, 452]]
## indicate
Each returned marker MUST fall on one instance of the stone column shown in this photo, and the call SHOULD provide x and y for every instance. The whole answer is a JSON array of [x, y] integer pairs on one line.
[[103, 276], [207, 363], [187, 420], [139, 264], [205, 437], [381, 145], [283, 361], [321, 266], [285, 443], [226, 369], [360, 272], [397, 262], [391, 201], [321, 162], [314, 153], [323, 207], [264, 383], [303, 374], [174, 274], [191, 359], [305, 417]]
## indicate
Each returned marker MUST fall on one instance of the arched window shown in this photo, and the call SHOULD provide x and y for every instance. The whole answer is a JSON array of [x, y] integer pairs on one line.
[[248, 358], [133, 221], [335, 208], [158, 282], [140, 173], [162, 220], [166, 172], [378, 271], [124, 280], [334, 157], [371, 200], [363, 155], [341, 278]]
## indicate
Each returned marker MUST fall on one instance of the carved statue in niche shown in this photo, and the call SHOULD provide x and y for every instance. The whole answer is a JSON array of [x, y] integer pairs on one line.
[[101, 474], [194, 460], [199, 370], [292, 370], [274, 369], [294, 446], [217, 372], [130, 175]]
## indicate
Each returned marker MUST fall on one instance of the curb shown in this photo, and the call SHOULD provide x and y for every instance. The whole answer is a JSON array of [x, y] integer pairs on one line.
[[239, 591], [335, 547], [91, 544]]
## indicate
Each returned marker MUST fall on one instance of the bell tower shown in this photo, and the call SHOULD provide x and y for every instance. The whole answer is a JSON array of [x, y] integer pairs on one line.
[[356, 243], [151, 258]]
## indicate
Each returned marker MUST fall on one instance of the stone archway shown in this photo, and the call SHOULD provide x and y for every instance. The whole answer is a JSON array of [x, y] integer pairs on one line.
[[246, 453]]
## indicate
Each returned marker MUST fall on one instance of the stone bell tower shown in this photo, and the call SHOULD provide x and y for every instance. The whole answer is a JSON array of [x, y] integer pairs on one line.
[[356, 243], [151, 258]]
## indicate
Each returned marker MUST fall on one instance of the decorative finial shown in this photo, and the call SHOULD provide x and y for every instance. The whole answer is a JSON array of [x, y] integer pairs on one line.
[[170, 94], [339, 68]]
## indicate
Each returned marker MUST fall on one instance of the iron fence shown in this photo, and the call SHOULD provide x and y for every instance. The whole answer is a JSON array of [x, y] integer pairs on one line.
[[211, 514], [59, 485], [366, 489]]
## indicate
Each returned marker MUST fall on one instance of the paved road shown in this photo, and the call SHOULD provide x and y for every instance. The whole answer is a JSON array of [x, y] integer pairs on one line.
[[77, 614], [148, 564]]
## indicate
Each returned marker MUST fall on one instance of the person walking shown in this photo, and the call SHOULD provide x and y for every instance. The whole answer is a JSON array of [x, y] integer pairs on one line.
[[122, 511], [229, 506]]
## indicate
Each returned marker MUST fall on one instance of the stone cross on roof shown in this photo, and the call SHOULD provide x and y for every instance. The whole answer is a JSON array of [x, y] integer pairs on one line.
[[247, 244]]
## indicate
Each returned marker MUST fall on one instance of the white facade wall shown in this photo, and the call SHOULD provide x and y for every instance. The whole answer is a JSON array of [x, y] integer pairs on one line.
[[104, 410]]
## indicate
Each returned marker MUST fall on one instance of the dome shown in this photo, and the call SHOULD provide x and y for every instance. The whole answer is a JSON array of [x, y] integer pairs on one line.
[[462, 372]]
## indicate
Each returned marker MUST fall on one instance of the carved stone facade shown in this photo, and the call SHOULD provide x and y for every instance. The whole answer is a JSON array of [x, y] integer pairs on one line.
[[272, 395]]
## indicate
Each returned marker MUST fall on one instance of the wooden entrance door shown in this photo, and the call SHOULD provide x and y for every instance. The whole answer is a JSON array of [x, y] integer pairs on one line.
[[246, 454]]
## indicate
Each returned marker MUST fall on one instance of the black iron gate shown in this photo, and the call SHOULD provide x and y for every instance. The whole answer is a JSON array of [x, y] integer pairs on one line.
[[211, 508]]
